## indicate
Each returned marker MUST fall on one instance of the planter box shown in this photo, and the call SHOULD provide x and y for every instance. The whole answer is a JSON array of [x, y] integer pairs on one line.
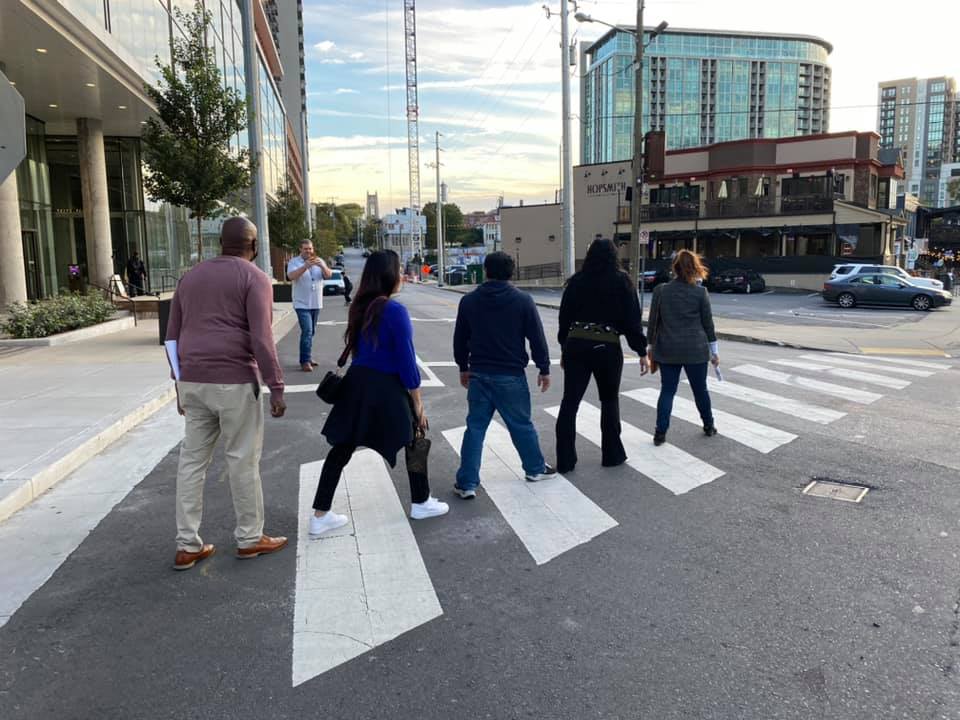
[[106, 328]]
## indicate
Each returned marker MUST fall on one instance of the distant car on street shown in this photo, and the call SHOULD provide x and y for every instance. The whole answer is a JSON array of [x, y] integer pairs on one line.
[[334, 285], [841, 271], [737, 280], [652, 278], [366, 253], [882, 289]]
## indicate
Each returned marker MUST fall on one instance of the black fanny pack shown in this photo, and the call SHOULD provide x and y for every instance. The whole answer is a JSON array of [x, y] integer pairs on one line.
[[595, 332]]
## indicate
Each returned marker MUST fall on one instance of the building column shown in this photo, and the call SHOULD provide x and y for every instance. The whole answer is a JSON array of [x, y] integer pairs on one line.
[[737, 251], [96, 201], [13, 276]]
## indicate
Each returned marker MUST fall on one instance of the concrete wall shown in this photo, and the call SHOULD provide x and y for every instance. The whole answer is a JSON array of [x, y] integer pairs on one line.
[[525, 234]]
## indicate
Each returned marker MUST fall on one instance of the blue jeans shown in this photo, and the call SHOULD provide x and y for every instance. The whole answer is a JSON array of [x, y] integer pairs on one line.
[[509, 396], [670, 379], [308, 323]]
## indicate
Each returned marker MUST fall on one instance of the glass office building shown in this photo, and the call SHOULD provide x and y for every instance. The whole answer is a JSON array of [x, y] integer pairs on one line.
[[85, 64], [702, 87]]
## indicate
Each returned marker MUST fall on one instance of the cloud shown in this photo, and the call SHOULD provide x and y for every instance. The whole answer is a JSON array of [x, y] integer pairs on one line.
[[356, 56], [325, 46], [346, 91]]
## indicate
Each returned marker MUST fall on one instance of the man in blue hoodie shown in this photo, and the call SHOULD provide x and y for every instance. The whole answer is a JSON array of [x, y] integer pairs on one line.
[[494, 323]]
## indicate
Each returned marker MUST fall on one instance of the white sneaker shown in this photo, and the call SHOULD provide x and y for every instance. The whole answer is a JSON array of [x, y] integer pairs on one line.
[[330, 521], [431, 507]]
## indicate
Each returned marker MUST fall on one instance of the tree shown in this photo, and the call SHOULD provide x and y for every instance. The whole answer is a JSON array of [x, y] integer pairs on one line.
[[187, 145], [452, 224], [953, 191], [288, 225], [325, 243]]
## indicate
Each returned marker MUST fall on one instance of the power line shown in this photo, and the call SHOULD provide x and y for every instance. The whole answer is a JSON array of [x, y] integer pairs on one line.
[[499, 98]]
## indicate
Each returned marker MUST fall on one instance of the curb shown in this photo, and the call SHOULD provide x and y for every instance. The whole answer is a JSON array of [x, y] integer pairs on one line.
[[105, 328], [38, 484]]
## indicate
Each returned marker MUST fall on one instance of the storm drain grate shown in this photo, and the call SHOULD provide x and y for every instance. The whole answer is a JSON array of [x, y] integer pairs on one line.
[[836, 490]]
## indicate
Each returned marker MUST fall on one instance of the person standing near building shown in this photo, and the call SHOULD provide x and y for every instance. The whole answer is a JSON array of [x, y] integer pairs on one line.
[[136, 275], [220, 344], [599, 305], [307, 272], [494, 324], [682, 337]]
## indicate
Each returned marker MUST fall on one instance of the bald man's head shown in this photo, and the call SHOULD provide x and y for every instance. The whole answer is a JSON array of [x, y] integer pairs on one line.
[[238, 237]]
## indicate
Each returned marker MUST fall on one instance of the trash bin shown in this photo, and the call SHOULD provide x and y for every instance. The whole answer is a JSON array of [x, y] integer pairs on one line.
[[282, 292], [475, 274], [947, 280], [455, 278], [163, 314]]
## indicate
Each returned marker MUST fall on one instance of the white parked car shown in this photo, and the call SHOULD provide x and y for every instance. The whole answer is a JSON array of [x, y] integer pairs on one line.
[[841, 272], [334, 285]]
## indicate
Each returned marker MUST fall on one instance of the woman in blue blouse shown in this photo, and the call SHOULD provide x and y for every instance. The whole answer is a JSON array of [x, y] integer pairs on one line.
[[380, 401]]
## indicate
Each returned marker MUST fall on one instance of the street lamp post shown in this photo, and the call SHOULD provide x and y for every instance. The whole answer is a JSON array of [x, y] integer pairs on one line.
[[638, 257]]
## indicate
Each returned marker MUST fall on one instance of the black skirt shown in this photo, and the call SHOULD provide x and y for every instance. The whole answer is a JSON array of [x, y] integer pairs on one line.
[[373, 411]]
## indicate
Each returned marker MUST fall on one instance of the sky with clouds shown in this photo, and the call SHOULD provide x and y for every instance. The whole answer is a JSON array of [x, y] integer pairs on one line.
[[489, 80]]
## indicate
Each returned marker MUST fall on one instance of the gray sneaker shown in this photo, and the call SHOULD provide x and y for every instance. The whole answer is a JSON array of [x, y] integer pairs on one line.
[[545, 474], [465, 494]]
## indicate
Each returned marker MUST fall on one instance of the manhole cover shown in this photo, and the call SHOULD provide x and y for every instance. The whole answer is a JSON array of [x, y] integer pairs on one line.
[[836, 491]]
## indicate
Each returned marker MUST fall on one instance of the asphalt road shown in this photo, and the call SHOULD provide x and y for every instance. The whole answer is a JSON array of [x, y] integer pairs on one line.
[[794, 308], [742, 598]]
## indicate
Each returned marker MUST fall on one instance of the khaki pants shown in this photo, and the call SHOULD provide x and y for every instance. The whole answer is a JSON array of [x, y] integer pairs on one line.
[[236, 413]]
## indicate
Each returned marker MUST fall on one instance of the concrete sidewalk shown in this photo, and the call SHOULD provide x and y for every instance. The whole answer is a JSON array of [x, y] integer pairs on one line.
[[61, 405], [937, 334]]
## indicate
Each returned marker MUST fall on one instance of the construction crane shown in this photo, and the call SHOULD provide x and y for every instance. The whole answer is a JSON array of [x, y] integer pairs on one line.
[[413, 121]]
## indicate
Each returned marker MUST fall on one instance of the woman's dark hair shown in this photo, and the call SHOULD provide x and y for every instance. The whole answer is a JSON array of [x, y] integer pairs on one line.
[[381, 276], [689, 267], [602, 258]]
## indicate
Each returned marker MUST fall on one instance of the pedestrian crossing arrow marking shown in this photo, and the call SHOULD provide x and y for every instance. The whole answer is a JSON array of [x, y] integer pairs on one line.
[[362, 585]]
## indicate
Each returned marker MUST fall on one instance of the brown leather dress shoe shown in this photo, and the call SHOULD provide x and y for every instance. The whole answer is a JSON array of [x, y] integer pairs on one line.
[[186, 559], [307, 367], [266, 545]]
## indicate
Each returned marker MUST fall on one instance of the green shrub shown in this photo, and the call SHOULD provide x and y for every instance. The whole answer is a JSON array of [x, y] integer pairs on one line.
[[57, 315]]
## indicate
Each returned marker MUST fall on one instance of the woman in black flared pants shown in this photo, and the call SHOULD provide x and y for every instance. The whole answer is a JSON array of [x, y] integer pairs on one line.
[[599, 305]]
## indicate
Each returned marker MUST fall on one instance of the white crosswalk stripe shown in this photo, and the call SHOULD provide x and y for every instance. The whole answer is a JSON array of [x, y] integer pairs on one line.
[[834, 359], [762, 438], [669, 466], [840, 391], [363, 584], [859, 375], [778, 403], [905, 362], [550, 517], [429, 377]]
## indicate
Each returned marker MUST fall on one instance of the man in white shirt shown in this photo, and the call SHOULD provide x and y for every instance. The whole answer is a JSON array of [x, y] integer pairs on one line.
[[307, 273]]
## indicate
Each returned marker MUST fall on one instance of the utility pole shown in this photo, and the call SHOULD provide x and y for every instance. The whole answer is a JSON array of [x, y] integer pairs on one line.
[[638, 256], [568, 263], [439, 216]]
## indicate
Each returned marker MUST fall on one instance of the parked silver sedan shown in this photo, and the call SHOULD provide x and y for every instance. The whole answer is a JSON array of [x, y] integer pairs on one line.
[[872, 289]]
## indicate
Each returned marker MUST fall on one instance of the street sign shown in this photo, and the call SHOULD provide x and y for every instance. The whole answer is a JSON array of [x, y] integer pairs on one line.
[[13, 128], [645, 237]]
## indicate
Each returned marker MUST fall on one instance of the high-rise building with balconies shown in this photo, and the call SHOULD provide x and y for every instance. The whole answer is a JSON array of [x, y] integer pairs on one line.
[[922, 118], [702, 87]]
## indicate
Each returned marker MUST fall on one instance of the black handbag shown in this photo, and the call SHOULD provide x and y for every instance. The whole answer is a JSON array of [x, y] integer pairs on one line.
[[329, 388], [417, 452]]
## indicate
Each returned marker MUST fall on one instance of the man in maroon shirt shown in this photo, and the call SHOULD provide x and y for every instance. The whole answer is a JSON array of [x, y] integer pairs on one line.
[[221, 338]]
